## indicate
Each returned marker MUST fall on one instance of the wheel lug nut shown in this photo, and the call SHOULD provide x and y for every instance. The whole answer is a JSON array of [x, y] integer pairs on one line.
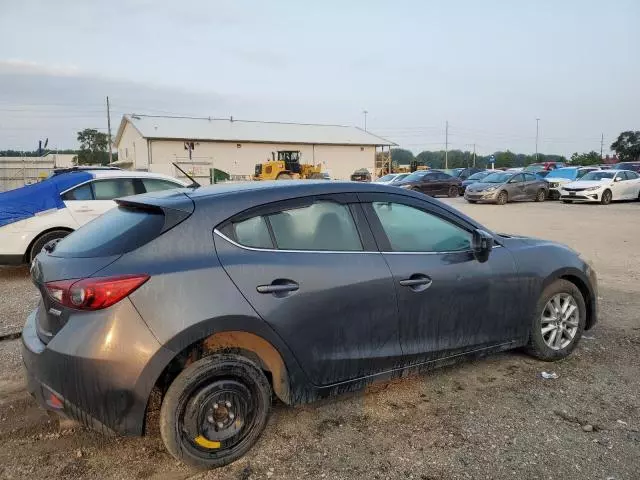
[[227, 404], [210, 419], [215, 406], [231, 416], [220, 424]]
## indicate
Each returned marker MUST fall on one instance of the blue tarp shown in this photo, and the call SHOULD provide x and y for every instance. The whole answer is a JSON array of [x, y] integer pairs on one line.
[[25, 202]]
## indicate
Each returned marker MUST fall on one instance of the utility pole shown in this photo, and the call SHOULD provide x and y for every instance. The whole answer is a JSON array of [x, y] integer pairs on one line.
[[109, 130], [446, 145], [601, 145], [474, 155], [390, 169], [364, 112], [537, 130]]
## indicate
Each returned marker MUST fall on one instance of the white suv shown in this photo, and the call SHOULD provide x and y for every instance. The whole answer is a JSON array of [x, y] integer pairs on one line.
[[33, 215]]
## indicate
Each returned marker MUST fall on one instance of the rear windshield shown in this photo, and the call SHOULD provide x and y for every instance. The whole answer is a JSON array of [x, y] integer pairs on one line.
[[118, 231]]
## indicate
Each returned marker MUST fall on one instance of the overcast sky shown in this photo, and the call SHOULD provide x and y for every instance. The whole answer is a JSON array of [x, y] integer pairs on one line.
[[489, 67]]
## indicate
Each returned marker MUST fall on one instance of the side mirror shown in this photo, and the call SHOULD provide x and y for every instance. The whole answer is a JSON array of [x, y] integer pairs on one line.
[[481, 244], [617, 179]]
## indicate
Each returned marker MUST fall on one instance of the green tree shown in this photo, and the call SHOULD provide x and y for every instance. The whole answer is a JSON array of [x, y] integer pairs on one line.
[[505, 159], [93, 147], [400, 156], [627, 146], [591, 158]]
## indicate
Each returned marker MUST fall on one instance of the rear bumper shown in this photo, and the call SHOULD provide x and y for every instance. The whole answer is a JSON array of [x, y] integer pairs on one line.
[[94, 370]]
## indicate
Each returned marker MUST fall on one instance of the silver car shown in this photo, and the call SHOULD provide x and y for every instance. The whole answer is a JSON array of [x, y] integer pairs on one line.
[[503, 187]]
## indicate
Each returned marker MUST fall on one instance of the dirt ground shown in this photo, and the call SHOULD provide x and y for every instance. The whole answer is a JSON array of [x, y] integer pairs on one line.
[[494, 418]]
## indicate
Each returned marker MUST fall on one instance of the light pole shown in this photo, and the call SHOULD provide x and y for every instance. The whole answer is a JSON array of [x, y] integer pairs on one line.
[[364, 112], [537, 130]]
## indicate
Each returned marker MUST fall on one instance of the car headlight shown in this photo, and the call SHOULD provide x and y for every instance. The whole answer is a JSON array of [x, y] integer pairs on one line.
[[554, 184], [405, 186], [490, 189], [591, 189]]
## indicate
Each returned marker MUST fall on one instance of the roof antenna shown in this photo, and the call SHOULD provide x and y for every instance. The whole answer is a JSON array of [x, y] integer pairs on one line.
[[194, 184]]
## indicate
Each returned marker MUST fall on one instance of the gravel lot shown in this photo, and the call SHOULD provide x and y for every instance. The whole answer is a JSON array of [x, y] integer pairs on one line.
[[489, 419]]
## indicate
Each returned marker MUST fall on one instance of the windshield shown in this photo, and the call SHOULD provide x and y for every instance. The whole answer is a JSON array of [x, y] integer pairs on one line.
[[415, 176], [534, 168], [479, 175], [386, 178], [598, 175], [402, 176], [454, 172], [570, 173], [497, 177]]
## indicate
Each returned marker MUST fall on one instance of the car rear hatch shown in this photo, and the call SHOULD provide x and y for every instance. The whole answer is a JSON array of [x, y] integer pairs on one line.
[[84, 253]]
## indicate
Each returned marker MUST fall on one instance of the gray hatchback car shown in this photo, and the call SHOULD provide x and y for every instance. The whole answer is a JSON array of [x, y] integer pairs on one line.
[[502, 187], [218, 298]]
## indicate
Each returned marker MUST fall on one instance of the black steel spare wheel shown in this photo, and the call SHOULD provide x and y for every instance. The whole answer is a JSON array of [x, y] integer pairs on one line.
[[215, 410]]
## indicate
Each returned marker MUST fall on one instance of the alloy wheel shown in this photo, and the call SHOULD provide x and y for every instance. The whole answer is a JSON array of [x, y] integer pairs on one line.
[[559, 321]]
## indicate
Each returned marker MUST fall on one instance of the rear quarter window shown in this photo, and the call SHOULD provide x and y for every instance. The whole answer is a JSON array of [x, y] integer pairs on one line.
[[118, 231]]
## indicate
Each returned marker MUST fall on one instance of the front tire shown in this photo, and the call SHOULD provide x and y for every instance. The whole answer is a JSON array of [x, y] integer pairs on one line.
[[472, 201], [453, 192], [559, 321], [41, 241], [606, 197], [284, 176], [215, 411], [567, 201], [502, 198], [541, 195]]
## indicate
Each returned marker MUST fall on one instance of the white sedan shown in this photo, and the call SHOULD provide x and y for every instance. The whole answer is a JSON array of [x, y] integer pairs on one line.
[[603, 186], [34, 215]]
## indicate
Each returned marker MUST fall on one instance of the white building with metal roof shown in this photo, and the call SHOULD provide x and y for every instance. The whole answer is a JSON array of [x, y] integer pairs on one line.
[[154, 143]]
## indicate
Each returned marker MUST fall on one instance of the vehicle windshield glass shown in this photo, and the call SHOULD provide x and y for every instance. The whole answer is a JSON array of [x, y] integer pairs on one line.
[[386, 178], [402, 176], [598, 175], [415, 176], [497, 177], [478, 176], [454, 172], [534, 168], [570, 173]]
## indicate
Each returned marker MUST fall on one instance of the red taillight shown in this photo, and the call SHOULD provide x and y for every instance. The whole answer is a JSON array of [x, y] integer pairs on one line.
[[94, 293]]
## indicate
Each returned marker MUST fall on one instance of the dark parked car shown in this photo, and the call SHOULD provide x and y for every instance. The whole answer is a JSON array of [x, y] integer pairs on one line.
[[431, 182], [218, 297], [503, 187], [475, 178], [633, 166], [361, 175], [468, 172]]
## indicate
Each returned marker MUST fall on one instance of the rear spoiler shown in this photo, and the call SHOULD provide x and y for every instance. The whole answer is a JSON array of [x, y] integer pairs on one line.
[[175, 205]]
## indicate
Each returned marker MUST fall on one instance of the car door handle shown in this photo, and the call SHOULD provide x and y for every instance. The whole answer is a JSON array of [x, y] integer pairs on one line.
[[85, 210], [416, 281], [278, 287]]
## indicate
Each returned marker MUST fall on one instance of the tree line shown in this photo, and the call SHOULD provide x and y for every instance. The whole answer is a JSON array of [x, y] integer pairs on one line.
[[626, 147]]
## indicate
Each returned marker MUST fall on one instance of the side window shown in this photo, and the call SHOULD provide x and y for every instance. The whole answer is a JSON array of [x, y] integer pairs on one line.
[[83, 192], [632, 175], [517, 178], [530, 177], [413, 230], [113, 188], [622, 176], [252, 232], [321, 226], [156, 185]]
